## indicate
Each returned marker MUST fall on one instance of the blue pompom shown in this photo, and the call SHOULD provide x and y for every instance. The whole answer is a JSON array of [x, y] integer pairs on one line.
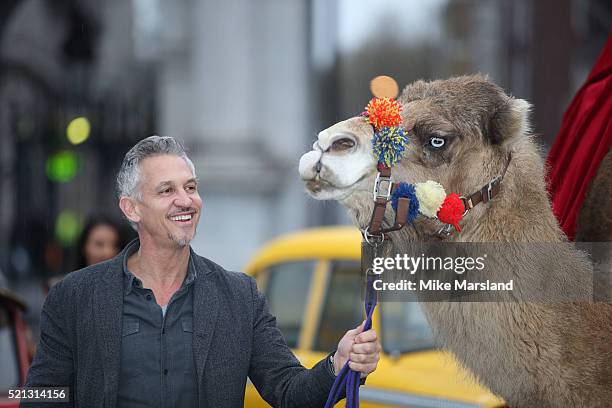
[[389, 145], [408, 191]]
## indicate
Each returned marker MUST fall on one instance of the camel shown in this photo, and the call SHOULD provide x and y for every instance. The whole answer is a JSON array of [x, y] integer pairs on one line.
[[595, 218], [532, 354], [594, 224]]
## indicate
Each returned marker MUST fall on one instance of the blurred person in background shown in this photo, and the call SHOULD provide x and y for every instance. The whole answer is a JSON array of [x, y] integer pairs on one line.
[[102, 238]]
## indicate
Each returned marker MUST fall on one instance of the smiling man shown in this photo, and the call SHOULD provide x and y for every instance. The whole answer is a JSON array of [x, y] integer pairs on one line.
[[160, 326]]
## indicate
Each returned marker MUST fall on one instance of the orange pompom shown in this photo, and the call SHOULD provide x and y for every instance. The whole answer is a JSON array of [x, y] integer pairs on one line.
[[452, 210], [384, 112]]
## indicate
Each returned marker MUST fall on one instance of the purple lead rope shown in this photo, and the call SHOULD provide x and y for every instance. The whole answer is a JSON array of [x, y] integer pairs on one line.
[[348, 379]]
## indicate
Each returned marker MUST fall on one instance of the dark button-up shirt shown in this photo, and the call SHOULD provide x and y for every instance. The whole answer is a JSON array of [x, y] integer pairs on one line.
[[157, 363]]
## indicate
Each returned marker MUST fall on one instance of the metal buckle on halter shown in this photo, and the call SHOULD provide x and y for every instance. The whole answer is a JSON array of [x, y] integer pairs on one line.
[[371, 239], [467, 204], [377, 187], [492, 184], [446, 230]]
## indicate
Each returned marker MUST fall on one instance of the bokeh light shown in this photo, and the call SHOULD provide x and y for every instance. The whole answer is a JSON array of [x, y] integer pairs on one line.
[[67, 227], [384, 86], [62, 166], [78, 130]]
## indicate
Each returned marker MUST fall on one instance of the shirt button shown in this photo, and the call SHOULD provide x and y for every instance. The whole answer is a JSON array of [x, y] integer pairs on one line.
[[165, 371], [149, 297]]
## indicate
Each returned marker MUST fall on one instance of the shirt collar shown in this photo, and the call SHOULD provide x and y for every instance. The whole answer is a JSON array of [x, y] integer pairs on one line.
[[131, 281]]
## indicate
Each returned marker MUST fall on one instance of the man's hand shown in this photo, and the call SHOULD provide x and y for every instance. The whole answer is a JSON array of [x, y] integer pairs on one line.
[[361, 349]]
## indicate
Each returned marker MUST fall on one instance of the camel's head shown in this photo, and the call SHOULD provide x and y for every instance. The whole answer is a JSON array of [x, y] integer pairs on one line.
[[459, 131]]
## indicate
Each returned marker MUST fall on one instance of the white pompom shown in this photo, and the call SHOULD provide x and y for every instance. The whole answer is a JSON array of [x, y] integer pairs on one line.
[[431, 195]]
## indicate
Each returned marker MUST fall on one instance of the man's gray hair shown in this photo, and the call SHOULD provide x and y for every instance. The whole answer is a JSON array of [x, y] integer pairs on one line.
[[128, 179]]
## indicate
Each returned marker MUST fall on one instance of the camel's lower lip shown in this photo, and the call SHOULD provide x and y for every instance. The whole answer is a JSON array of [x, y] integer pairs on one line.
[[317, 185]]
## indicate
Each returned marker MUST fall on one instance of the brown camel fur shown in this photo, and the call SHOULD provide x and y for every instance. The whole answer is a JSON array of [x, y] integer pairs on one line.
[[532, 354], [595, 218], [594, 224]]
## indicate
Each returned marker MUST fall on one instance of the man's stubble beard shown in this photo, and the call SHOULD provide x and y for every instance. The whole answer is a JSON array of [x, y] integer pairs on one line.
[[181, 242]]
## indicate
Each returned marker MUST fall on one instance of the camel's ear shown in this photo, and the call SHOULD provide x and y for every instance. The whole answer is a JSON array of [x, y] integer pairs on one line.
[[509, 121]]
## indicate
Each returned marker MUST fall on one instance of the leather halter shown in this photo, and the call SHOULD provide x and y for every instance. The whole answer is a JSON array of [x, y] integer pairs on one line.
[[384, 188]]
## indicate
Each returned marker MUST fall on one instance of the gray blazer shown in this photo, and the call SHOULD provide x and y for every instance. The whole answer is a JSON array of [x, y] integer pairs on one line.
[[234, 336]]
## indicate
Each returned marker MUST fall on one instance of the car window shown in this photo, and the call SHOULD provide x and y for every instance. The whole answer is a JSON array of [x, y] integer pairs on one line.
[[343, 305], [287, 290], [404, 327], [9, 374]]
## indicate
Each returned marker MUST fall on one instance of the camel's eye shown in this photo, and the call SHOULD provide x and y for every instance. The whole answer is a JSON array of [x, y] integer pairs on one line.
[[437, 142], [343, 144]]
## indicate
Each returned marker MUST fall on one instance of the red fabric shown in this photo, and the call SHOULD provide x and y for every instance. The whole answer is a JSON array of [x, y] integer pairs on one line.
[[583, 141]]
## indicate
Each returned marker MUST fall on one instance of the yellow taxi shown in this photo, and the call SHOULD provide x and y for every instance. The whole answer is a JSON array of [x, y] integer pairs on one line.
[[313, 285]]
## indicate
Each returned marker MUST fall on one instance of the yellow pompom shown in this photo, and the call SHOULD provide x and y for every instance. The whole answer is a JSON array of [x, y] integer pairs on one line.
[[431, 195]]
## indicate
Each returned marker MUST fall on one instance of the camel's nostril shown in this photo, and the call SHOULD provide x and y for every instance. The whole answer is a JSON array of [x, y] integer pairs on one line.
[[318, 167]]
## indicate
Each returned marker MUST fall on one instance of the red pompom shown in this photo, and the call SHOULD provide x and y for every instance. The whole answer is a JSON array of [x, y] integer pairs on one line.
[[452, 210]]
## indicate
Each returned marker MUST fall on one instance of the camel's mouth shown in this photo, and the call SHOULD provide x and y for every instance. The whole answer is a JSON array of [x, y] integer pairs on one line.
[[317, 185], [322, 189]]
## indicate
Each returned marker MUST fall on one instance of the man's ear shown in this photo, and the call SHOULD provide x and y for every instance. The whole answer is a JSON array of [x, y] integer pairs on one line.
[[130, 209], [511, 120]]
